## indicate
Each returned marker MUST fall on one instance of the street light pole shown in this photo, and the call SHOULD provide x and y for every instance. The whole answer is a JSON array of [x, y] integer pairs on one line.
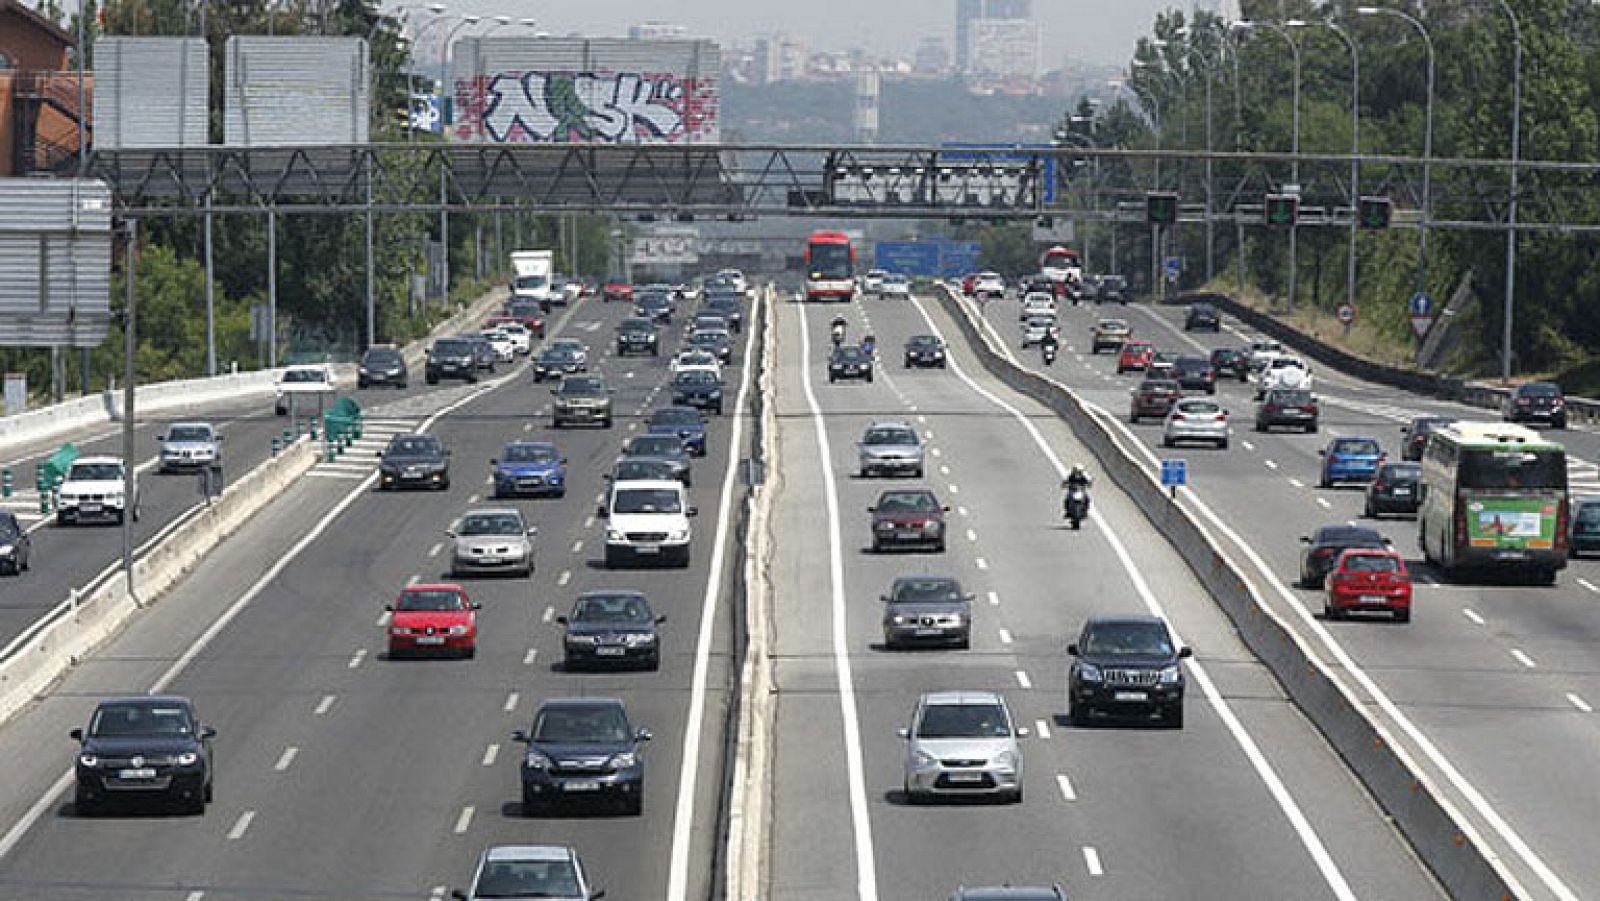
[[1238, 145], [1511, 208], [1192, 53], [1294, 52], [1355, 150], [411, 70], [444, 189], [1427, 141]]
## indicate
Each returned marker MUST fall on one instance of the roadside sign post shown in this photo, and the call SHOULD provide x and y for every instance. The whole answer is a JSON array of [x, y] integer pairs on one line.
[[1174, 267], [1347, 316], [1174, 475], [1421, 309]]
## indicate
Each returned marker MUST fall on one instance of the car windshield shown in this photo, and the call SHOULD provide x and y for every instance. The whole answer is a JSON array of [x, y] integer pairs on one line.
[[1041, 321], [527, 879], [1371, 563], [557, 355], [907, 502], [305, 375], [1588, 513], [696, 358], [655, 446], [695, 377], [710, 323], [964, 721], [635, 325], [707, 339], [94, 472], [611, 608], [647, 500], [923, 341], [1540, 389], [926, 591], [492, 524], [139, 720], [640, 469], [568, 344], [849, 354], [1127, 640], [525, 310], [382, 358], [675, 416], [897, 436], [598, 723], [529, 282], [1113, 325], [582, 385], [1358, 446], [431, 600], [9, 527], [1513, 469], [451, 347], [413, 446], [189, 433]]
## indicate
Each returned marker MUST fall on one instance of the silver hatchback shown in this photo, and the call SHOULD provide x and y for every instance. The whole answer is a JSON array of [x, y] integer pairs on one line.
[[963, 743], [492, 541], [890, 448], [1195, 419], [189, 446]]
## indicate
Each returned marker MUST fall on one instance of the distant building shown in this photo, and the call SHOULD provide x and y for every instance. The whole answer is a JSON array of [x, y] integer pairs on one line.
[[865, 120], [969, 12], [933, 57], [1006, 50], [657, 31], [779, 57], [39, 129]]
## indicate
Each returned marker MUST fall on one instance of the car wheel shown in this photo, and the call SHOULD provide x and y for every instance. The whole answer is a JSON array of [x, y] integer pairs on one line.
[[555, 424], [83, 805], [605, 423], [634, 805], [912, 796], [431, 380], [1223, 444], [1015, 797], [196, 806], [1331, 613], [1133, 418], [917, 473], [939, 548], [1368, 512], [653, 662], [445, 484], [530, 807], [613, 558], [1402, 616], [211, 793], [1173, 716], [403, 385], [1077, 714], [1166, 440], [1260, 427], [1323, 481], [1311, 430], [469, 652]]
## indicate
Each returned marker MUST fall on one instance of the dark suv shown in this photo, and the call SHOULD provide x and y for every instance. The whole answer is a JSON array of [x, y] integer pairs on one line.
[[451, 358], [149, 747], [1287, 407], [1230, 361], [1202, 316], [1416, 435], [1195, 374], [582, 750], [1125, 665], [416, 460], [1321, 550], [1537, 402], [581, 398], [612, 628], [637, 336], [381, 366]]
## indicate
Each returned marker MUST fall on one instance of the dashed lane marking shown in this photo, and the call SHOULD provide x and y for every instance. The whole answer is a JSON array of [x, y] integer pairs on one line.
[[324, 705], [564, 578], [1091, 859], [994, 599], [241, 825], [512, 700], [1023, 680], [1005, 636], [1323, 503], [464, 820], [1579, 703], [490, 753], [434, 551], [1472, 614], [527, 659], [1269, 464], [1522, 657], [1065, 785], [548, 615], [1042, 728], [360, 655]]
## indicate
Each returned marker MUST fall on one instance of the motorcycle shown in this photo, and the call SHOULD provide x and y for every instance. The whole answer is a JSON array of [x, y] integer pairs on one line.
[[838, 335], [1076, 505], [1049, 352]]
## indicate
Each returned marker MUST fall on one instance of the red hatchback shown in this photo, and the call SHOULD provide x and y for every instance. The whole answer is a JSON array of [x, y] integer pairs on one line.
[[622, 291], [433, 619], [1135, 356], [1153, 397], [1366, 579]]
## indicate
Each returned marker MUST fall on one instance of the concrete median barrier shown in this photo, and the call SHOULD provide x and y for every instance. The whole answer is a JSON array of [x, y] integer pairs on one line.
[[1441, 837]]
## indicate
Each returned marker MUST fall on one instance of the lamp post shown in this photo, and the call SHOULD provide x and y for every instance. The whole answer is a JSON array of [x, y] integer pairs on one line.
[[1065, 134], [1294, 52], [1192, 52], [1157, 288], [1232, 37], [1117, 85], [1511, 208], [1427, 139], [1355, 148], [444, 180]]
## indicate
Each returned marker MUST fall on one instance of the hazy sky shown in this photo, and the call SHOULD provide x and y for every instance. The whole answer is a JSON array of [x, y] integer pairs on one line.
[[1101, 31]]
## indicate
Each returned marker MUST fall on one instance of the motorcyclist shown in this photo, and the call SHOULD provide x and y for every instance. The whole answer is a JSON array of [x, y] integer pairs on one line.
[[1078, 478], [838, 330], [868, 344], [1049, 346]]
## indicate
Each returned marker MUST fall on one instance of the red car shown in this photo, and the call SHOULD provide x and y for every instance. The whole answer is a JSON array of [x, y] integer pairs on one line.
[[908, 518], [1368, 579], [1153, 397], [1135, 356], [433, 619], [969, 284], [622, 291]]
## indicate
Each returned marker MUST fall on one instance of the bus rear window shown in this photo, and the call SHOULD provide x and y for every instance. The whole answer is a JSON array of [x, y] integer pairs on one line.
[[1513, 469]]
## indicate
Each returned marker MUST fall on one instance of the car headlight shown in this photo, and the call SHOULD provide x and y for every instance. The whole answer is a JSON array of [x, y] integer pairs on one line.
[[1171, 675], [639, 638], [922, 758], [901, 619], [623, 761], [504, 474], [1088, 672], [188, 758], [615, 535], [716, 394], [458, 630], [885, 526], [536, 761], [1006, 760], [88, 760], [363, 370], [932, 526], [681, 535], [7, 550], [400, 630]]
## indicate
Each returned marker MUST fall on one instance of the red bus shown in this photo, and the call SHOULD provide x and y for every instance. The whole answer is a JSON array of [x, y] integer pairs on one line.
[[830, 267], [1061, 265]]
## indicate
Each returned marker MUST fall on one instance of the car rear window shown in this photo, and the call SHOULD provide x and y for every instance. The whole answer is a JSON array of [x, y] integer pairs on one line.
[[1356, 446], [1371, 563]]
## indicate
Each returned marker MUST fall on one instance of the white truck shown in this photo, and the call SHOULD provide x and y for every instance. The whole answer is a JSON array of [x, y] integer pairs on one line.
[[531, 276]]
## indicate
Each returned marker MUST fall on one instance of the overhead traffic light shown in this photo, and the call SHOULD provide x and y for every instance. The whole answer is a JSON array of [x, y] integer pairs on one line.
[[1282, 210], [1375, 212], [1161, 207]]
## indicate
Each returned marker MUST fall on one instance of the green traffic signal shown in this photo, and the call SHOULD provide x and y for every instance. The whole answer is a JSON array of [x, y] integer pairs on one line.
[[1375, 212], [1282, 210], [1161, 208]]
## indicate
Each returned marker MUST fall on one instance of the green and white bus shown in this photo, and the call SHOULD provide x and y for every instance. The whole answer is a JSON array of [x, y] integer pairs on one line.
[[1494, 498]]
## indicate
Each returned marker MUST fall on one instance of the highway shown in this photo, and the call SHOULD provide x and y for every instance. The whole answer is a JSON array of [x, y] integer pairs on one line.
[[1492, 687], [1247, 801], [342, 774]]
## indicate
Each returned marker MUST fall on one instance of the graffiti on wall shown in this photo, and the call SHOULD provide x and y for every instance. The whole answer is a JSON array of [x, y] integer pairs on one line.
[[605, 107]]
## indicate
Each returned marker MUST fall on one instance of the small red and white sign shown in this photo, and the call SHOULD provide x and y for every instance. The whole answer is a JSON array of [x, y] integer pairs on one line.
[[1420, 325], [1346, 313]]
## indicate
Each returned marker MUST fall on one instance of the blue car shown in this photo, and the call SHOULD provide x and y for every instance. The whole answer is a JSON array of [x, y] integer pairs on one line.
[[685, 422], [1350, 460], [530, 468]]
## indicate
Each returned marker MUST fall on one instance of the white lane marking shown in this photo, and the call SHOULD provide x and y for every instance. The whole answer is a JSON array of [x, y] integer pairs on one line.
[[437, 893], [1269, 464], [194, 896], [360, 655], [324, 705], [944, 470], [490, 753], [962, 510], [1065, 785], [548, 615], [994, 599], [1042, 728], [527, 427], [241, 825], [564, 578], [1323, 503], [512, 700], [683, 817], [1023, 680], [1472, 614], [928, 434], [1588, 584], [971, 535], [577, 547], [855, 771], [1297, 483], [937, 452], [955, 489], [527, 659], [1248, 446], [473, 499], [981, 563], [414, 578], [921, 419], [1091, 859], [464, 820], [588, 522], [286, 759], [1005, 636], [1308, 835], [488, 480], [1579, 703], [1522, 657], [383, 618], [434, 551]]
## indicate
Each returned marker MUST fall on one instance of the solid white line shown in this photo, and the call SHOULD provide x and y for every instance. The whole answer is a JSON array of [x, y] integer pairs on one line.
[[1091, 859], [1042, 727], [527, 659], [324, 705], [855, 771], [465, 819], [1579, 703], [683, 824], [1523, 658], [241, 825], [994, 599], [1005, 636], [361, 654], [1023, 680], [1588, 584], [490, 753], [511, 702], [1065, 785], [563, 579], [286, 759], [1472, 614]]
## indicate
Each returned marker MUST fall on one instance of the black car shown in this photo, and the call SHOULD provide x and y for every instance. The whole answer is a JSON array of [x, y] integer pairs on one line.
[[582, 750], [1111, 289], [716, 343], [637, 336], [612, 627], [1195, 374], [1230, 361], [662, 447], [452, 358], [1322, 548], [1537, 402], [849, 361], [382, 366], [1296, 408], [482, 351], [15, 545], [1202, 316], [728, 307], [923, 351], [1395, 489], [698, 388], [654, 306], [150, 747], [1127, 666], [642, 469], [554, 362], [416, 461], [1584, 535], [1416, 434]]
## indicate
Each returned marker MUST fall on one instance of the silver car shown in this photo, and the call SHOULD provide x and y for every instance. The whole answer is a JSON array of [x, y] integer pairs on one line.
[[492, 541], [890, 448], [1036, 326], [548, 872], [190, 446], [1196, 419], [963, 743], [931, 609]]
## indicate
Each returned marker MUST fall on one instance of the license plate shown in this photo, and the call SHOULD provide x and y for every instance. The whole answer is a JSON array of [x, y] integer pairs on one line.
[[1374, 599], [1402, 492], [965, 777], [431, 639], [908, 536], [144, 773], [609, 652], [89, 508], [585, 785], [1131, 696], [646, 549], [1509, 555], [928, 633], [413, 473]]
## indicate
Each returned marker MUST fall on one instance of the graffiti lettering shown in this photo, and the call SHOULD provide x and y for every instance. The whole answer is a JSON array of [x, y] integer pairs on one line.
[[559, 107]]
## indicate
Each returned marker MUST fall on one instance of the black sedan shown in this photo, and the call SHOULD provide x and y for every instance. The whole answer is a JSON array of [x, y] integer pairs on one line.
[[1537, 402], [653, 306], [849, 361], [661, 447], [554, 362], [1395, 489], [1416, 434], [150, 747], [612, 628], [637, 336], [1230, 362], [414, 460], [1321, 550], [582, 750], [923, 351], [728, 307], [15, 545], [1202, 316], [698, 388], [382, 366], [713, 341]]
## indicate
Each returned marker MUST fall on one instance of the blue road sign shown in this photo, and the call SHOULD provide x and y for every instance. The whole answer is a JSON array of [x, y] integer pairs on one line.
[[425, 112], [931, 259], [1174, 266], [1421, 304], [1174, 473]]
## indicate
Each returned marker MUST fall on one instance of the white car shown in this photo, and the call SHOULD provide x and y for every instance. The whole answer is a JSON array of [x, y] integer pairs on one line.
[[505, 350], [647, 521], [989, 283], [302, 381], [1259, 352], [691, 360], [872, 282], [895, 286], [1036, 327], [93, 492], [521, 337], [1037, 302], [1195, 419], [1283, 372], [736, 278]]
